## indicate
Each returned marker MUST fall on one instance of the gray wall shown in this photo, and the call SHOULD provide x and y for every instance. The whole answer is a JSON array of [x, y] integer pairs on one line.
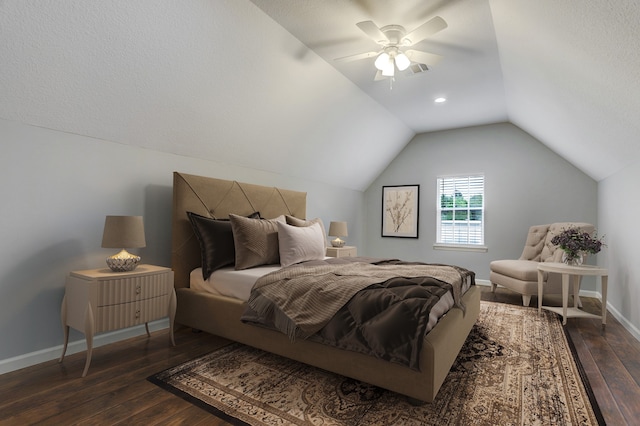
[[525, 184], [57, 189], [618, 208]]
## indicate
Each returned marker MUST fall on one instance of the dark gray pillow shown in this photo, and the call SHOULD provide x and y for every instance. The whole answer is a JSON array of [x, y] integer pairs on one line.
[[216, 242]]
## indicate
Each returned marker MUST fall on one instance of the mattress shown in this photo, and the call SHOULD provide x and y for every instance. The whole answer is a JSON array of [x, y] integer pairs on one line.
[[237, 284]]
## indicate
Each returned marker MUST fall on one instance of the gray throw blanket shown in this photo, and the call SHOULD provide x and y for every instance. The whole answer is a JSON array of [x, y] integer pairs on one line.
[[301, 299]]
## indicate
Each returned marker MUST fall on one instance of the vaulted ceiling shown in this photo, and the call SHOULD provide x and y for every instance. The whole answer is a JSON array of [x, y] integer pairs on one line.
[[255, 84], [566, 72]]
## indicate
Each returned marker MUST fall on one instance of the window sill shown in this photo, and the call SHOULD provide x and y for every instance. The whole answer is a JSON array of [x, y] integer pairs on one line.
[[460, 247]]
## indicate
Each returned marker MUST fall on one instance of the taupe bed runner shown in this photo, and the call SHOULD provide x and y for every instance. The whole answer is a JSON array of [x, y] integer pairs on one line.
[[387, 320]]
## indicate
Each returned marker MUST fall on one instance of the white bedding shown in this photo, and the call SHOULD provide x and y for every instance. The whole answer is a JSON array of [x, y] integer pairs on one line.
[[229, 282], [237, 284]]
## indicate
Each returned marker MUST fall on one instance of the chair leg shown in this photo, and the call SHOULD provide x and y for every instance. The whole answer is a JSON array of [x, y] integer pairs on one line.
[[526, 299], [493, 287]]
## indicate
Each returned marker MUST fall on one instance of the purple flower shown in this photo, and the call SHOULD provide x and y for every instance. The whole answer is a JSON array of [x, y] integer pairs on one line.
[[573, 241]]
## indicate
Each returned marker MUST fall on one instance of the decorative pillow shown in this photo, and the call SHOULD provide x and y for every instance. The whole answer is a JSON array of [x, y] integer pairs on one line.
[[297, 244], [256, 241], [301, 222], [216, 242]]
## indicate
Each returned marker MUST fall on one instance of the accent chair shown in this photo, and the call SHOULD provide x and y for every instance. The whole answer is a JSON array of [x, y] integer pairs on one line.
[[521, 275]]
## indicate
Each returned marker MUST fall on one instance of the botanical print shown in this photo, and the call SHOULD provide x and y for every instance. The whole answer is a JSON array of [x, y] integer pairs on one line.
[[400, 211]]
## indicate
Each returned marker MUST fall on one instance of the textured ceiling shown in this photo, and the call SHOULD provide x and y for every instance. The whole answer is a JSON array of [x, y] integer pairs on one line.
[[469, 74], [566, 72], [254, 84]]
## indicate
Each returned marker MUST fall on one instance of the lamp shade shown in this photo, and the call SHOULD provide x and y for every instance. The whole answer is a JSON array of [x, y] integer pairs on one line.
[[338, 229], [123, 232]]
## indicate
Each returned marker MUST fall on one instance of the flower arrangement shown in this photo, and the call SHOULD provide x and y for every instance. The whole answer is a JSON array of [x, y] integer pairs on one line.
[[574, 243]]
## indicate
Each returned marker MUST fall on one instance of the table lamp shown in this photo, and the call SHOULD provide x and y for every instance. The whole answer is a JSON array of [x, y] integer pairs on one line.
[[123, 232], [338, 229]]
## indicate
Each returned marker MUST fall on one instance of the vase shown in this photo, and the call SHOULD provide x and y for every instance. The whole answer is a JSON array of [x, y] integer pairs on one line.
[[572, 259]]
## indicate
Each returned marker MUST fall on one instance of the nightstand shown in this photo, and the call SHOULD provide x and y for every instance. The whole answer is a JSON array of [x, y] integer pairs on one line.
[[342, 251], [99, 300]]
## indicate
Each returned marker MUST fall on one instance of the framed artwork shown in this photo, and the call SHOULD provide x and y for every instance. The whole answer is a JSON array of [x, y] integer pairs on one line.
[[400, 211]]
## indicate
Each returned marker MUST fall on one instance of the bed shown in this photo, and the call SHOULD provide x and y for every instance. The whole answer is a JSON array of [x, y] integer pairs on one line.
[[220, 315]]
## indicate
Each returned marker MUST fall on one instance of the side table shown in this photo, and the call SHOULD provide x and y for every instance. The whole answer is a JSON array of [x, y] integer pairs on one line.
[[98, 300], [575, 272]]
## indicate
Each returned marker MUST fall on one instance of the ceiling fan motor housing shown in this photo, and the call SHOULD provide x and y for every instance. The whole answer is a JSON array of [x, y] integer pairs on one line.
[[394, 34]]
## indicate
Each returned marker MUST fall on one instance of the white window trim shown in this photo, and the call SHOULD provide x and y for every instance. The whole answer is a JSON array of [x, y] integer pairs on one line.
[[454, 246], [461, 247]]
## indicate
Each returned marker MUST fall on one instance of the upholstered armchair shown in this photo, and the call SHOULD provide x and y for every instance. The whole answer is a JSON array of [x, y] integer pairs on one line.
[[521, 275]]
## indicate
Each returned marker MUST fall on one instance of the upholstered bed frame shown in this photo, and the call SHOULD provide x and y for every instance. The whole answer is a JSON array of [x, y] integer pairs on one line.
[[220, 315]]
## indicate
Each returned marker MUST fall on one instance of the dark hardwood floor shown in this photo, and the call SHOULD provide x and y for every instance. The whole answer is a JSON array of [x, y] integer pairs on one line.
[[116, 390]]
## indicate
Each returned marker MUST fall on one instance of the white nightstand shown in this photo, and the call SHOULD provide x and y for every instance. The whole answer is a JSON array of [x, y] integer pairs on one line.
[[98, 300], [342, 251]]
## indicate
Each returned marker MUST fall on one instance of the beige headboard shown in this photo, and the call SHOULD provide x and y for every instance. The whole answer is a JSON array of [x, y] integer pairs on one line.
[[218, 198]]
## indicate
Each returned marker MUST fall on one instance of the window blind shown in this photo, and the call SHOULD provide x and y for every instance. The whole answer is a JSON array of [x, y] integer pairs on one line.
[[461, 210]]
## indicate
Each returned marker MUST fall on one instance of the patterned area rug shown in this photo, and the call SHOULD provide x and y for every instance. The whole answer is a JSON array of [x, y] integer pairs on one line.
[[516, 367]]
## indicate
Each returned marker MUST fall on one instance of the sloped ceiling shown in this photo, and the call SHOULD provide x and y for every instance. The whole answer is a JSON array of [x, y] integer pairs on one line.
[[255, 84], [566, 72]]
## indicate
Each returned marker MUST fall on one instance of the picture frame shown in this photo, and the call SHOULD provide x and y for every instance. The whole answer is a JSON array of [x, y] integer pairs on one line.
[[400, 211]]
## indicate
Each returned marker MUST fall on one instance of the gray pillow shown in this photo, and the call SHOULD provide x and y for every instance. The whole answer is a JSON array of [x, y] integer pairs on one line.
[[255, 240]]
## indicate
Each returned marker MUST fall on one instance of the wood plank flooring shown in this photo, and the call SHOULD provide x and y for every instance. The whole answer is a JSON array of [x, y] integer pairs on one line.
[[116, 391]]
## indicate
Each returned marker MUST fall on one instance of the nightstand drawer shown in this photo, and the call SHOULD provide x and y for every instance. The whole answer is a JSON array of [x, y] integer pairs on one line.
[[342, 251], [129, 314], [125, 290]]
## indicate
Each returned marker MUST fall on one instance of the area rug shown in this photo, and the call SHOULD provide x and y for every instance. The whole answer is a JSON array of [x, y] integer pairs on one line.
[[517, 367]]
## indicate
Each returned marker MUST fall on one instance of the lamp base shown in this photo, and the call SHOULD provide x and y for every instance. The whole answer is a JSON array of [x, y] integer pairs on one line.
[[123, 262], [337, 243]]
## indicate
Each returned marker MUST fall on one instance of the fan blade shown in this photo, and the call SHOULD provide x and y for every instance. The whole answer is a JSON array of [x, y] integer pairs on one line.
[[372, 30], [423, 57], [425, 30], [357, 56]]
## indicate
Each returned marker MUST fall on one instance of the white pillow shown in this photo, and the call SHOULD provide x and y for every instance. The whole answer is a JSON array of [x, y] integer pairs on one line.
[[297, 244], [301, 222]]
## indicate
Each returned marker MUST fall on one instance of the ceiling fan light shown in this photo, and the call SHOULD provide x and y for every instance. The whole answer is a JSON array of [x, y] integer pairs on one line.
[[382, 61], [389, 69], [402, 61]]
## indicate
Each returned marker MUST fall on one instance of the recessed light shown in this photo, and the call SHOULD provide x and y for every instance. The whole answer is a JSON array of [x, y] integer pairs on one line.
[[440, 100]]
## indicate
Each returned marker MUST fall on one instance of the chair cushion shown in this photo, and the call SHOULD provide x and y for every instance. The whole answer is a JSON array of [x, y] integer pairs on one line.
[[524, 270], [535, 242]]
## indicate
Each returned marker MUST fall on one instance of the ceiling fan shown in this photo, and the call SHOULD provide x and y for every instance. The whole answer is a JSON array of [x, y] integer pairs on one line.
[[394, 40]]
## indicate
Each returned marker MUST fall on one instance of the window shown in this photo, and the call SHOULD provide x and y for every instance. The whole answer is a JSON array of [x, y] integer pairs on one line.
[[461, 210]]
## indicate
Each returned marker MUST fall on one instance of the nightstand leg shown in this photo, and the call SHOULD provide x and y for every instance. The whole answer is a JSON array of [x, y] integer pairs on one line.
[[65, 327], [88, 332], [172, 314]]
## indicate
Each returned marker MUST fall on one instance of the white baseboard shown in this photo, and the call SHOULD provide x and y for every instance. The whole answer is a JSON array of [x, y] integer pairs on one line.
[[625, 323], [43, 355]]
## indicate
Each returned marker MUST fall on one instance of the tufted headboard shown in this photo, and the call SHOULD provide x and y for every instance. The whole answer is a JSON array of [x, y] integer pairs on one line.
[[218, 198]]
